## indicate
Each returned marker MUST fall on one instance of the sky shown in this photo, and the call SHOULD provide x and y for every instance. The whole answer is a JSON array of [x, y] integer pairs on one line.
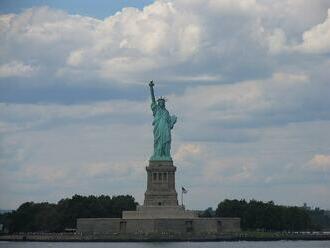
[[248, 80]]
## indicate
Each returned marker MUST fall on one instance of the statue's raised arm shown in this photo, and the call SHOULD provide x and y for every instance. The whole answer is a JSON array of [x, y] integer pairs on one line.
[[152, 93]]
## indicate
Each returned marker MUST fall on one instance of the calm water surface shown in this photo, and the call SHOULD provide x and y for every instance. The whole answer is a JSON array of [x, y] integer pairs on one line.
[[242, 244]]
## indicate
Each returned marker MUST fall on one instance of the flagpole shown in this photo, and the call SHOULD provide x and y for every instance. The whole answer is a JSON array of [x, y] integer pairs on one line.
[[181, 197]]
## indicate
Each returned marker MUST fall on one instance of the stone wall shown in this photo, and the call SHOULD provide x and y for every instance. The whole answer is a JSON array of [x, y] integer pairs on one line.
[[147, 226], [98, 225], [147, 212]]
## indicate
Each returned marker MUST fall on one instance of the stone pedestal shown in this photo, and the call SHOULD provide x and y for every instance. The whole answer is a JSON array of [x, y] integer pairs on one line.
[[160, 184], [161, 198]]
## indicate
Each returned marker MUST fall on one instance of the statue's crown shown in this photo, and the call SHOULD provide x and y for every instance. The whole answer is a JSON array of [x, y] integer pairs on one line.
[[162, 99]]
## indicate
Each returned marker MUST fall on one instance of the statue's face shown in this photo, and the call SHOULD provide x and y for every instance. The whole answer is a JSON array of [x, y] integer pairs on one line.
[[161, 104]]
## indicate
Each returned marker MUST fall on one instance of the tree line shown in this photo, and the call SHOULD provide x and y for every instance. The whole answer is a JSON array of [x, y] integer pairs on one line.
[[49, 217], [255, 215], [266, 216]]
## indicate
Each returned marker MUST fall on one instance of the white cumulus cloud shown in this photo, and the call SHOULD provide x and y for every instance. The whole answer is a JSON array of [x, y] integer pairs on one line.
[[320, 162], [248, 80], [17, 69], [317, 39], [185, 38]]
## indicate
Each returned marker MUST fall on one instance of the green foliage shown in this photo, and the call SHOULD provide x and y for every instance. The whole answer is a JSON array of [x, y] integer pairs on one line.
[[265, 216], [46, 217], [207, 213], [319, 218], [32, 217]]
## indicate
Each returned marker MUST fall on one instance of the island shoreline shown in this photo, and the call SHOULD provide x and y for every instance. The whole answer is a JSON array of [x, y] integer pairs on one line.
[[64, 237]]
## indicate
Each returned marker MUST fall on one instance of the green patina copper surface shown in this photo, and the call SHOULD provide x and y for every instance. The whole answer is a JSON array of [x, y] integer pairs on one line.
[[163, 123]]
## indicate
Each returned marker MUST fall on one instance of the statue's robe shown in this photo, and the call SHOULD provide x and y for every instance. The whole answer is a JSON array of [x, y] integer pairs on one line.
[[163, 123]]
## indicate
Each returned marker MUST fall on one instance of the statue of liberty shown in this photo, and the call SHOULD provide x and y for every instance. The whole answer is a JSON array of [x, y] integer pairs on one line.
[[163, 123]]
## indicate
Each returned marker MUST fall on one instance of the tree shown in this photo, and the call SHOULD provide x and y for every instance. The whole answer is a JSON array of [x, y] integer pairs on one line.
[[47, 217], [207, 213], [265, 216]]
